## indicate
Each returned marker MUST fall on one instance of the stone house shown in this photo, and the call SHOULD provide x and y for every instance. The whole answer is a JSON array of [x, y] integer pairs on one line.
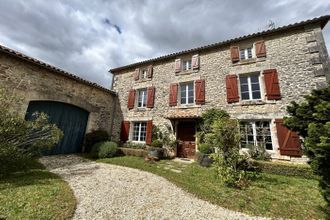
[[253, 77]]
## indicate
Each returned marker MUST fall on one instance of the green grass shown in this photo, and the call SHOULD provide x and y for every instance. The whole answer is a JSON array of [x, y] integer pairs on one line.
[[271, 195], [35, 194]]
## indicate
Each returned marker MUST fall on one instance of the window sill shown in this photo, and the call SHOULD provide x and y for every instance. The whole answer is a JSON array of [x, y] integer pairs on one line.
[[187, 106], [249, 61], [253, 102], [143, 80]]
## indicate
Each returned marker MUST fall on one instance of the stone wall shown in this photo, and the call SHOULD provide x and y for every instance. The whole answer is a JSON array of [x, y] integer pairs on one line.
[[299, 56], [34, 82]]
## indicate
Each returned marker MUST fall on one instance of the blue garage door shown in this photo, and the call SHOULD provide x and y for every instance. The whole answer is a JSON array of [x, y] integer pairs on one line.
[[70, 119]]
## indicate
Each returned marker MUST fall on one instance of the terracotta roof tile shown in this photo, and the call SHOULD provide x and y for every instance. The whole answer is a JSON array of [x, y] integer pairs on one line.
[[183, 113]]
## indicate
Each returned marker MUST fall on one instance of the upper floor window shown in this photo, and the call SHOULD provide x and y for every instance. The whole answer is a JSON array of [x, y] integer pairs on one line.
[[186, 64], [256, 133], [142, 98], [246, 53], [139, 131], [187, 93], [250, 87], [144, 74]]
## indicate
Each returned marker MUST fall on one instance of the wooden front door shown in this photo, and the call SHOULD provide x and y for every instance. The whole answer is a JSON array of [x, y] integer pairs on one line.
[[186, 137]]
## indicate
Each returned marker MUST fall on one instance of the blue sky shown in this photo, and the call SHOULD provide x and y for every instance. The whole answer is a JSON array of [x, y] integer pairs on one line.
[[88, 38]]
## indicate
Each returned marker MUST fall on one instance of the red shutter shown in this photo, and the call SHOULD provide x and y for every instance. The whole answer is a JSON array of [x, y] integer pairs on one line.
[[200, 91], [150, 71], [177, 65], [272, 85], [131, 99], [124, 131], [260, 48], [150, 97], [288, 140], [234, 53], [195, 62], [173, 94], [149, 133], [232, 89], [137, 74]]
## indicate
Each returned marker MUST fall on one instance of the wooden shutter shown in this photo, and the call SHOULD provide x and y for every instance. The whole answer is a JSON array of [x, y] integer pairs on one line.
[[149, 133], [195, 62], [173, 94], [124, 131], [200, 91], [260, 48], [288, 140], [150, 97], [272, 85], [137, 74], [131, 99], [232, 89], [177, 65], [234, 53], [149, 71]]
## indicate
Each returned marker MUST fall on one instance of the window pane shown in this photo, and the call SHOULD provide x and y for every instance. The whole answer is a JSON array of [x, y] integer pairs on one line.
[[243, 80], [245, 95], [255, 86], [254, 79], [242, 54], [256, 95], [249, 51], [244, 88]]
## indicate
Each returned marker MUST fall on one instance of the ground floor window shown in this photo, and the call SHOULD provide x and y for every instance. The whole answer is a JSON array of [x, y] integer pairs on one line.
[[256, 133], [139, 131]]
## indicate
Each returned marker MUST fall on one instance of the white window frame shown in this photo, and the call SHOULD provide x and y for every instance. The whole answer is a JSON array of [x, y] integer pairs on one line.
[[144, 98], [246, 52], [186, 64], [186, 84], [144, 73], [250, 86], [139, 131], [254, 131]]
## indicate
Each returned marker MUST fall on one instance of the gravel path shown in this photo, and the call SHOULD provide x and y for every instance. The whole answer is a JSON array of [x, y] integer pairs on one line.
[[106, 191]]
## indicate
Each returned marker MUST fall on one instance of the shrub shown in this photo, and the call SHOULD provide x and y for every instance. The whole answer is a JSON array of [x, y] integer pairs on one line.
[[130, 144], [104, 150], [258, 152], [107, 149], [205, 148], [94, 137], [21, 140], [157, 144]]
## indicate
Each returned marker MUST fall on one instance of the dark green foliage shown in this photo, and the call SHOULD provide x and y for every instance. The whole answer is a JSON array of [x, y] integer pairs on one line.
[[311, 119], [104, 149], [156, 143], [285, 169], [258, 152], [95, 137], [205, 148]]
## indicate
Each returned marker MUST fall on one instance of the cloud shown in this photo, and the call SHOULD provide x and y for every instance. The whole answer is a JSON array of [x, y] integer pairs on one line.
[[88, 38]]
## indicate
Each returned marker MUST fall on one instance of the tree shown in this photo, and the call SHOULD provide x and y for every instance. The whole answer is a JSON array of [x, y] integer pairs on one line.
[[21, 139], [311, 119]]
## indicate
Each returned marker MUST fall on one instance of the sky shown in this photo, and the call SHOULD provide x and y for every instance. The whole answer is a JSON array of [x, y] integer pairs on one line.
[[87, 38]]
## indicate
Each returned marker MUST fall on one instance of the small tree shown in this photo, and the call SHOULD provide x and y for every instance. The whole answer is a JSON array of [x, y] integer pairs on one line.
[[21, 139], [311, 119]]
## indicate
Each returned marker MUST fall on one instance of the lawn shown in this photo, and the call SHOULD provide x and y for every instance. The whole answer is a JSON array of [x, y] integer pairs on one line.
[[271, 195], [35, 194]]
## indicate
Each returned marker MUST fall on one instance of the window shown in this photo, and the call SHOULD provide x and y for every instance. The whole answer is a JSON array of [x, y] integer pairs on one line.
[[139, 131], [245, 53], [186, 64], [142, 98], [187, 93], [250, 87], [144, 74], [256, 133]]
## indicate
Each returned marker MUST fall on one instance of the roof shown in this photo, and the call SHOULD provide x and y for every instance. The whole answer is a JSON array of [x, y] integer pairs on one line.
[[323, 20], [52, 68], [183, 114]]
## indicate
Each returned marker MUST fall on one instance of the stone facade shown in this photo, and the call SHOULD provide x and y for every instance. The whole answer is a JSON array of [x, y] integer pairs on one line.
[[33, 80], [298, 54]]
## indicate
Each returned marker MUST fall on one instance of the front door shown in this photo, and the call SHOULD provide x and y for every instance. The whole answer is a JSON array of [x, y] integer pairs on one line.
[[186, 137]]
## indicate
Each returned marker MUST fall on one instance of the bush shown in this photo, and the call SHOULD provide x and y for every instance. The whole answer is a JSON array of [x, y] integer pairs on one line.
[[157, 144], [104, 150], [130, 144], [205, 148], [95, 137], [258, 152]]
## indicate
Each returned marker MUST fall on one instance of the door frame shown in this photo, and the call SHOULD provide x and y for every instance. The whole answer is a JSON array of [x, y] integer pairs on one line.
[[177, 121]]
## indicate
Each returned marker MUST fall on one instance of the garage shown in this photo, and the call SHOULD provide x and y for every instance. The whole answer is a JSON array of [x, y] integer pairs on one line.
[[71, 119]]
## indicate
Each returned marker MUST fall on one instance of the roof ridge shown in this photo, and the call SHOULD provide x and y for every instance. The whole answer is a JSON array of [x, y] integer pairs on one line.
[[324, 19]]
